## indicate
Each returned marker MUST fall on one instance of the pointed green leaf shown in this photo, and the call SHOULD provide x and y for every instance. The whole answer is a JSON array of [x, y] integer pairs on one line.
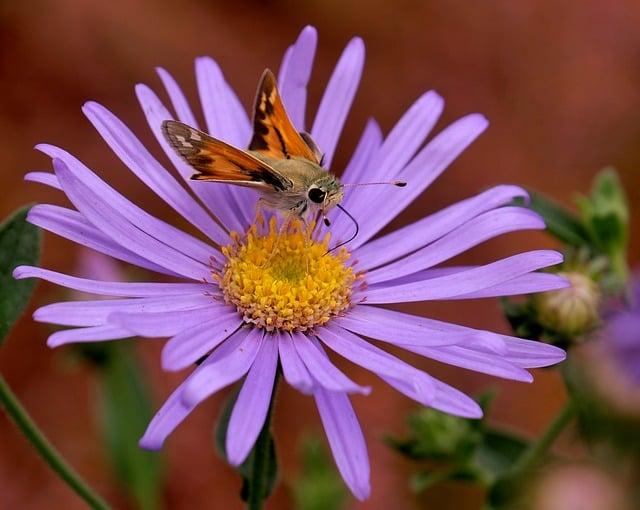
[[19, 244], [561, 223]]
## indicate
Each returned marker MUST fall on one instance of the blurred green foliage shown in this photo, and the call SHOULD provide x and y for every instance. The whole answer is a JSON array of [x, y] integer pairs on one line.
[[19, 244], [319, 486]]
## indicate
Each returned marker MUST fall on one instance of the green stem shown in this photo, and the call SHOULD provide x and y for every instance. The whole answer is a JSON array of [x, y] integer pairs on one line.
[[260, 468], [46, 450], [534, 454]]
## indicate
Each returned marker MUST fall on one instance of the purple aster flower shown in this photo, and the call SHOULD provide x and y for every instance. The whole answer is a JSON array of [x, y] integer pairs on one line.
[[249, 310]]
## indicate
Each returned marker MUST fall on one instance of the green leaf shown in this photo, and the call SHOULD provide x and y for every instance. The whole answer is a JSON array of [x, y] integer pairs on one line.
[[498, 451], [318, 487], [19, 244], [125, 410], [561, 223]]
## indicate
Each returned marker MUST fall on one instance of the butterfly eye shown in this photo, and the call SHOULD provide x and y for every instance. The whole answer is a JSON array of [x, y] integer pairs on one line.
[[317, 195]]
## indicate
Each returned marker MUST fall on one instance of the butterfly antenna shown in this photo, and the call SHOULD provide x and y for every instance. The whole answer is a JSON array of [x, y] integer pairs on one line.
[[355, 234], [400, 184]]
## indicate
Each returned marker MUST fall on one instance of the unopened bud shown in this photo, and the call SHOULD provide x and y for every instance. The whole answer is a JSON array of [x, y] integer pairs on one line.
[[572, 311]]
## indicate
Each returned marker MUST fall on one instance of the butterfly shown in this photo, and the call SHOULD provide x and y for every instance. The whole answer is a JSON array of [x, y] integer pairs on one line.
[[284, 165]]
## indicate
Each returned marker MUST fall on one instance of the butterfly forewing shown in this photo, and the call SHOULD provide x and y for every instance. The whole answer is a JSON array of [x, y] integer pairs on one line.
[[273, 132], [217, 161]]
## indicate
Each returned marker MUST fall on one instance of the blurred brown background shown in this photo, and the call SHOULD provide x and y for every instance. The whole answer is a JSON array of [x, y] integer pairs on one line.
[[559, 81]]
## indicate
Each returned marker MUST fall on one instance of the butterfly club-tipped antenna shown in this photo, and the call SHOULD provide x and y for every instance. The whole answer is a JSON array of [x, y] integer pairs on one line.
[[399, 184]]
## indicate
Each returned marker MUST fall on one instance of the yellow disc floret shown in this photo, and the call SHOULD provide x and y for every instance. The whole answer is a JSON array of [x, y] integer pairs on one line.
[[284, 280]]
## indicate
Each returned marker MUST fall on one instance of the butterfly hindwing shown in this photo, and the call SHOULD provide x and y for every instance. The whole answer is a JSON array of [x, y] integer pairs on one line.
[[273, 132], [217, 161]]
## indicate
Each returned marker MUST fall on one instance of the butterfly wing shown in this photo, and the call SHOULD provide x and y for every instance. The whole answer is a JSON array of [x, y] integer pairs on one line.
[[273, 132], [217, 161]]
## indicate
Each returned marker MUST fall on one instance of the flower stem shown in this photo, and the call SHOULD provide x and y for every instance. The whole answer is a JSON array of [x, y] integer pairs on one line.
[[262, 468], [46, 450], [534, 454]]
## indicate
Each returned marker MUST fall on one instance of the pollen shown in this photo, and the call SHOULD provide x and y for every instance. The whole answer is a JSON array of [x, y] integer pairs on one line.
[[282, 279]]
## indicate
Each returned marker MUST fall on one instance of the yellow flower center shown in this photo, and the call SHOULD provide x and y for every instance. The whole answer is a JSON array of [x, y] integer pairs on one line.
[[285, 280]]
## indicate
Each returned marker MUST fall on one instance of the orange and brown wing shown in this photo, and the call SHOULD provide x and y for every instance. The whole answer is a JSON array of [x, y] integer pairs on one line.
[[217, 161], [273, 132]]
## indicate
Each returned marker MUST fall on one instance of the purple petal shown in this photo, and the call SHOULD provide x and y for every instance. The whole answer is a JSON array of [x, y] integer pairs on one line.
[[421, 172], [345, 439], [139, 160], [337, 99], [95, 313], [295, 373], [156, 114], [232, 360], [91, 334], [162, 324], [295, 73], [381, 363], [467, 281], [368, 145], [478, 230], [46, 178], [321, 368], [399, 147], [122, 289], [73, 226], [191, 344], [181, 241], [532, 354], [226, 120], [525, 284], [252, 405], [178, 100], [430, 228], [396, 327], [111, 221], [471, 360]]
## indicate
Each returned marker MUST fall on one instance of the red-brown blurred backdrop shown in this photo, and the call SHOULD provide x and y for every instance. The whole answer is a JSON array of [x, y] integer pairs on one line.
[[559, 81]]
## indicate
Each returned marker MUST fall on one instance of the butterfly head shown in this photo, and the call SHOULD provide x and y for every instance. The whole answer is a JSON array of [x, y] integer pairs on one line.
[[325, 193]]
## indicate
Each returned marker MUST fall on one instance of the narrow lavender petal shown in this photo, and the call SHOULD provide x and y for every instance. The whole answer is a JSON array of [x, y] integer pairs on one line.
[[189, 345], [46, 178], [320, 367], [478, 230], [73, 226], [396, 327], [388, 325], [471, 360], [109, 219], [468, 281], [447, 399], [226, 120], [159, 229], [229, 362], [90, 334], [399, 147], [362, 353], [124, 143], [345, 439], [525, 284], [178, 99], [162, 324], [95, 313], [252, 405], [368, 146], [122, 289], [295, 72], [430, 228], [172, 412], [427, 166], [294, 370], [337, 99], [156, 113], [532, 354]]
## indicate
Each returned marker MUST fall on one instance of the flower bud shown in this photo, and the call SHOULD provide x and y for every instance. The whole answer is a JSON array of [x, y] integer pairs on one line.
[[572, 311]]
